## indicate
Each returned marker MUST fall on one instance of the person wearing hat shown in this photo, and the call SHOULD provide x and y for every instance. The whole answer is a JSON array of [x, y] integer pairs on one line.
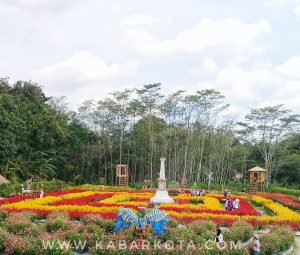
[[236, 204], [256, 245]]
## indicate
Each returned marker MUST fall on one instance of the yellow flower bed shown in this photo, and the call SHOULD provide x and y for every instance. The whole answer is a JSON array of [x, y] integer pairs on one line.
[[124, 197], [120, 200], [281, 211], [32, 203], [79, 194], [208, 202]]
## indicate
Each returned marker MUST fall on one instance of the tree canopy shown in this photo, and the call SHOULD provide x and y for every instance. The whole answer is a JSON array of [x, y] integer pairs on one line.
[[40, 137]]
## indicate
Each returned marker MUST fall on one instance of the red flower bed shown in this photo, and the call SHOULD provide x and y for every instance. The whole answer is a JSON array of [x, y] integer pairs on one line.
[[99, 204], [63, 192], [83, 200], [282, 198], [15, 199], [21, 198]]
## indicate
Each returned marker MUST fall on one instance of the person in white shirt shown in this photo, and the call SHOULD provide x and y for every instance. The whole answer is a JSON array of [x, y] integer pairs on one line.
[[236, 204], [219, 238], [42, 194], [256, 245]]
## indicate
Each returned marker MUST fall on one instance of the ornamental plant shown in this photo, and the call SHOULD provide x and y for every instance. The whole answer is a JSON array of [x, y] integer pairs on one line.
[[4, 235], [239, 231], [3, 215], [106, 224], [280, 239], [21, 224], [57, 220], [202, 230], [23, 245]]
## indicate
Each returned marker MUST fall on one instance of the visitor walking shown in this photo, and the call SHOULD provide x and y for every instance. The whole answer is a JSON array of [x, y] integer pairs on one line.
[[256, 245]]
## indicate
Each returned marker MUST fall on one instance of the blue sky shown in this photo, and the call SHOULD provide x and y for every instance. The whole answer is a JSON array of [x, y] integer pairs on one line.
[[83, 49]]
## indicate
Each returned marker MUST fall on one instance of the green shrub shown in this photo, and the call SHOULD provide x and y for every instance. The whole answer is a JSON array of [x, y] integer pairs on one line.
[[57, 220], [3, 239], [202, 231], [3, 215], [240, 231], [280, 239], [106, 224], [172, 223], [21, 224], [283, 190], [21, 245], [49, 186], [8, 189], [136, 186], [199, 227]]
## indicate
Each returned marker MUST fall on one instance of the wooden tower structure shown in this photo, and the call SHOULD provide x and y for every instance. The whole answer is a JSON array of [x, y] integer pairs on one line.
[[257, 178], [102, 181], [122, 175]]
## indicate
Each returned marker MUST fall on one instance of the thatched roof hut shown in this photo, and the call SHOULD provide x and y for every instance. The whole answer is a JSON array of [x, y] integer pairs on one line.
[[3, 180]]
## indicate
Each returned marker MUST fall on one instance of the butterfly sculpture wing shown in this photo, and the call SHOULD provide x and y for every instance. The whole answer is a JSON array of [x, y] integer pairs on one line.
[[158, 220], [125, 219]]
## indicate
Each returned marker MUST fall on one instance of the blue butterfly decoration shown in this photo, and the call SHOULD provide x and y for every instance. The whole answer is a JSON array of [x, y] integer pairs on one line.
[[156, 218]]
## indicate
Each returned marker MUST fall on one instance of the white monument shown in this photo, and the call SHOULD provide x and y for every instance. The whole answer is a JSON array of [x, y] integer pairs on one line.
[[162, 195]]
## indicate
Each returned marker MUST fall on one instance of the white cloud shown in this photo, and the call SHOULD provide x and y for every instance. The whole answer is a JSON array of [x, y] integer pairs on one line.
[[137, 20], [293, 5], [297, 10], [85, 67], [115, 7], [280, 3], [54, 6], [84, 74], [232, 34], [208, 67], [259, 86], [290, 68]]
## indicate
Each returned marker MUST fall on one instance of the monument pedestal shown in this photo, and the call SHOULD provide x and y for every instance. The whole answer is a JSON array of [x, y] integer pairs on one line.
[[162, 196]]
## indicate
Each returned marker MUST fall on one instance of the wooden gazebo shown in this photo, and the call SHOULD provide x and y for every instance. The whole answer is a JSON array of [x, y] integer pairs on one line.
[[257, 178]]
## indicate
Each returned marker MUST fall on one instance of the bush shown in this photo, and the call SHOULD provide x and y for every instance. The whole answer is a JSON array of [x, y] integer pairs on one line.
[[199, 227], [107, 225], [283, 190], [7, 189], [21, 224], [19, 245], [137, 186], [49, 186], [240, 231], [280, 239], [3, 215], [57, 220], [3, 239], [202, 231]]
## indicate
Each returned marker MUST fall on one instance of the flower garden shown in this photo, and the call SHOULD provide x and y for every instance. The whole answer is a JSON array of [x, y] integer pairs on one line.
[[90, 215]]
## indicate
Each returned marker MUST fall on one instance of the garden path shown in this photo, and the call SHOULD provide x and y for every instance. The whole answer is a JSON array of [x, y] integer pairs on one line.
[[298, 245]]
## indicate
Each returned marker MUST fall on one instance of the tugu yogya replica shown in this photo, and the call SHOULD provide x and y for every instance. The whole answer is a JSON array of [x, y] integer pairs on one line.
[[127, 218]]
